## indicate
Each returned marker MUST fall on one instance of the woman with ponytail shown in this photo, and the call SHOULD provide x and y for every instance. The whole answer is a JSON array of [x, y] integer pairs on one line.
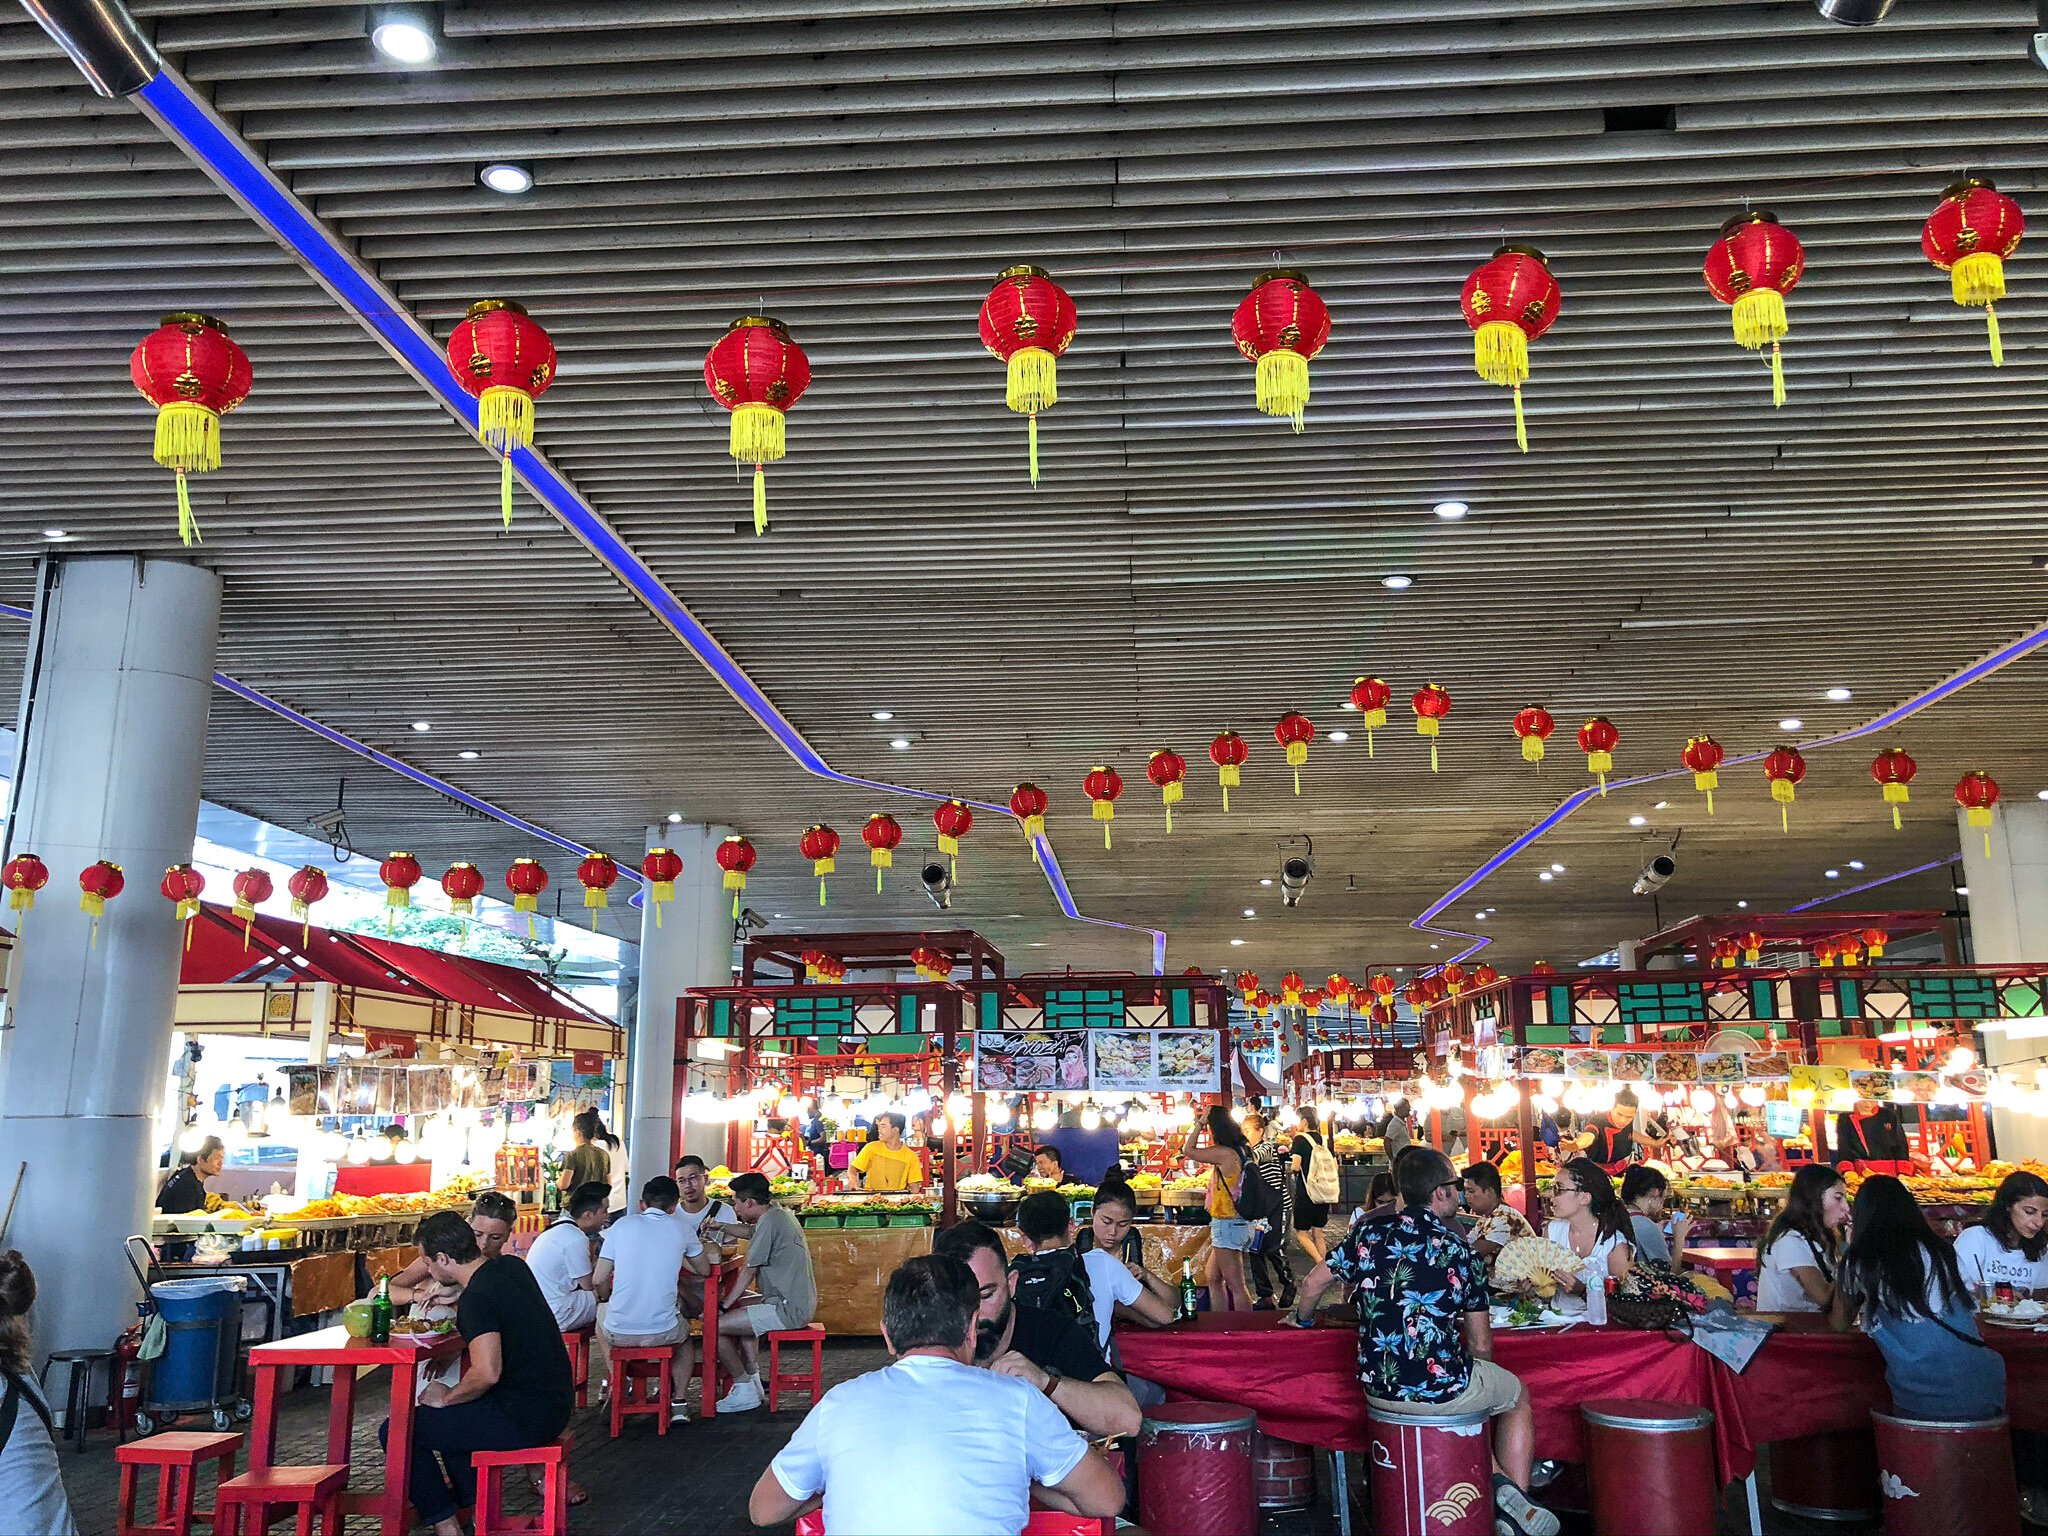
[[32, 1500]]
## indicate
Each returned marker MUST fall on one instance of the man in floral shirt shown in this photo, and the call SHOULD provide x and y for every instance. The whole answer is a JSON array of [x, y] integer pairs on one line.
[[1425, 1344]]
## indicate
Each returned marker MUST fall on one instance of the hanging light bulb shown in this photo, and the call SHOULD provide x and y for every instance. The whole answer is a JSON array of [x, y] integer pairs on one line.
[[1841, 1099], [1961, 1059], [1091, 1118], [405, 1152], [999, 1112], [1753, 1096], [1702, 1101], [358, 1151], [191, 1140], [1543, 1104], [791, 1107], [1044, 1118]]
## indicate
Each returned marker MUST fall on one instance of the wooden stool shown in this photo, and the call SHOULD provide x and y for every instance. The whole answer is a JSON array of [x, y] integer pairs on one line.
[[651, 1366], [1431, 1476], [311, 1490], [177, 1458], [781, 1381], [577, 1342], [1941, 1478], [1652, 1467], [552, 1461]]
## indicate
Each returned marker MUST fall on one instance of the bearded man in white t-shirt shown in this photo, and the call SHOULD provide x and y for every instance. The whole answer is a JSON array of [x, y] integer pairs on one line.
[[986, 1443]]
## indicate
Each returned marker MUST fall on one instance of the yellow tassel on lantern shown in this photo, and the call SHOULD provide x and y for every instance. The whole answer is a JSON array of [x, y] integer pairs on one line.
[[304, 913], [1978, 281], [882, 859], [1034, 829], [1896, 795], [1600, 763], [1374, 719], [949, 846], [1105, 812], [757, 437], [1170, 796], [504, 421], [1297, 754], [1227, 777], [1706, 783], [1759, 317], [1033, 387], [1282, 385], [1500, 355], [1532, 749], [1980, 816], [188, 441], [1782, 792], [1428, 725]]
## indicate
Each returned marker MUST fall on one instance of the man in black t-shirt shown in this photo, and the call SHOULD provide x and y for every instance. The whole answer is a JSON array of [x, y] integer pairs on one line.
[[1055, 1354], [518, 1389]]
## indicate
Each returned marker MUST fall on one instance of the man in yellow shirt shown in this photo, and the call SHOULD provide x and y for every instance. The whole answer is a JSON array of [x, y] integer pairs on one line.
[[886, 1167]]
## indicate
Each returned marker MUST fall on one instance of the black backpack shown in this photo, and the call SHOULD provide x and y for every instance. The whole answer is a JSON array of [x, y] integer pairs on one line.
[[1256, 1197], [1055, 1281]]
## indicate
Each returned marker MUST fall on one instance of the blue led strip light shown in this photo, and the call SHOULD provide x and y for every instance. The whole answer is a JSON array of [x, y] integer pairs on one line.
[[188, 121], [1871, 885], [2028, 643]]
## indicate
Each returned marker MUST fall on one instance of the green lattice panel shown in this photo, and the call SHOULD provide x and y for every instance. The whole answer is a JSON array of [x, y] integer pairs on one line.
[[721, 1017], [2021, 1000], [989, 1008], [1660, 1002], [1085, 1008], [1953, 997], [1182, 1004], [824, 1017], [1550, 1034], [1763, 1000]]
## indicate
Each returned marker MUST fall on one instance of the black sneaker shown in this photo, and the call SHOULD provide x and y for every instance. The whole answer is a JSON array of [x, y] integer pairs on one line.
[[1515, 1515]]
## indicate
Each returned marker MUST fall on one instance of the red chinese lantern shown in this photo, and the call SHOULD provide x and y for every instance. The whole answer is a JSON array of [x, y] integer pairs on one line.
[[1534, 726], [882, 834], [1725, 953], [1510, 302], [1453, 978], [1281, 325], [1028, 803], [1875, 939], [1228, 752], [1823, 951], [1102, 786], [1431, 705], [400, 872], [1598, 739], [23, 875], [931, 964], [1976, 793], [597, 874], [252, 888], [1339, 988], [1542, 968], [1703, 756], [1752, 947], [1312, 1001], [1785, 767], [1261, 1002], [1382, 985], [1294, 733], [1484, 975], [194, 375], [1894, 770], [1027, 320], [526, 879], [735, 856], [98, 883], [1166, 769], [1247, 981], [820, 844], [307, 884], [1291, 987], [462, 883], [501, 355], [1849, 947], [757, 373], [1969, 237], [183, 885], [952, 820], [661, 869], [1754, 264], [1370, 697]]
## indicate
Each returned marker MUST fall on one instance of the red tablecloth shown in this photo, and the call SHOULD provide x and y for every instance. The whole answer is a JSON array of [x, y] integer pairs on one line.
[[1303, 1384]]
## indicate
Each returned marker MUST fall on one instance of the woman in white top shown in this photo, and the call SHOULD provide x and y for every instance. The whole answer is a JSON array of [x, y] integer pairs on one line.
[[1593, 1223], [2010, 1245], [1801, 1250], [31, 1491]]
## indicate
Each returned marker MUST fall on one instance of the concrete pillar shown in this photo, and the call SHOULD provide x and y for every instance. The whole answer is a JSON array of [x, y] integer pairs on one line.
[[692, 947], [112, 737], [2008, 906]]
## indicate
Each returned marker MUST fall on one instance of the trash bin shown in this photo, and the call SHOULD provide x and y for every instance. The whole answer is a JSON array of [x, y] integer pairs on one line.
[[202, 1318]]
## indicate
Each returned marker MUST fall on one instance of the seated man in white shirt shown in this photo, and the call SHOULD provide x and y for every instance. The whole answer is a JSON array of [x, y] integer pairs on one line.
[[642, 1264], [560, 1257], [986, 1444], [709, 1220]]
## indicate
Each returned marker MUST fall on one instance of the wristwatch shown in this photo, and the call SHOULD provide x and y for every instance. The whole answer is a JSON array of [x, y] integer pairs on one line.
[[1052, 1380]]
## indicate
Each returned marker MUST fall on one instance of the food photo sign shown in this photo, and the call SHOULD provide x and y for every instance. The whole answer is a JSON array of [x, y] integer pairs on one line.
[[1098, 1060]]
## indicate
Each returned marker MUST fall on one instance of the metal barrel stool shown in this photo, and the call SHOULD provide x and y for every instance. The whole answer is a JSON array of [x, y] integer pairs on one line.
[[1944, 1478], [1195, 1470], [1652, 1468], [1431, 1476], [1826, 1477]]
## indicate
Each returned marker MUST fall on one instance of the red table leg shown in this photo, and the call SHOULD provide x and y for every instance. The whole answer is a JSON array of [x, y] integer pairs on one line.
[[263, 1422], [341, 1413], [390, 1505], [707, 1368]]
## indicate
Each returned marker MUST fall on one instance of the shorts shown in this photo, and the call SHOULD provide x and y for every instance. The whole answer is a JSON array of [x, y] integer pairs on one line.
[[1310, 1217], [1493, 1391], [1231, 1232], [764, 1317], [675, 1335]]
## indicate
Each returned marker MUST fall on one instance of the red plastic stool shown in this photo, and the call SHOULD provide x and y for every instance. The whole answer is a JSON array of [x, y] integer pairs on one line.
[[1431, 1476], [552, 1462], [1941, 1478], [653, 1367], [1652, 1468], [1283, 1474], [1826, 1477], [177, 1458], [781, 1381], [577, 1342], [311, 1490], [1195, 1470]]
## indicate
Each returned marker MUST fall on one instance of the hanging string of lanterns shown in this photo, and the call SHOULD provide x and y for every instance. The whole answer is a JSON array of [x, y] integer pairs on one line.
[[1027, 321], [501, 355], [191, 371]]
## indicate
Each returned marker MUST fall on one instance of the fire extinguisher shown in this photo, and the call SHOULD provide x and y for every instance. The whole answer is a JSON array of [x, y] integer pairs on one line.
[[124, 1381]]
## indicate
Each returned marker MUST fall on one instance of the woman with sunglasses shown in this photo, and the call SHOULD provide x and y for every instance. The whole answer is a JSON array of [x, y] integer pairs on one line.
[[1593, 1223]]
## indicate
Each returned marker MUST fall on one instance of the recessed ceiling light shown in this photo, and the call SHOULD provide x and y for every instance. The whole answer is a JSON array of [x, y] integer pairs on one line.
[[1346, 736], [469, 754], [1481, 916], [1557, 869], [55, 535], [900, 743], [1855, 863], [1962, 890], [1544, 874], [1639, 821], [1351, 706], [1237, 943], [1267, 881], [1251, 912], [1832, 874], [403, 41], [1742, 903], [1451, 511], [503, 176], [674, 817], [883, 714], [1433, 946], [1397, 582], [1839, 695], [1491, 910], [1661, 805], [423, 726], [1791, 723]]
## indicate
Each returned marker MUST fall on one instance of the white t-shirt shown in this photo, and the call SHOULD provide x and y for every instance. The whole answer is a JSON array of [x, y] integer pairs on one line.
[[1986, 1261], [1593, 1271], [982, 1441], [714, 1211], [1109, 1281], [560, 1257], [647, 1250], [621, 1176], [1776, 1288]]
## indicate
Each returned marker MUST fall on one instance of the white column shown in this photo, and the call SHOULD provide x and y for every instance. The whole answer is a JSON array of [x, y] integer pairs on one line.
[[2008, 904], [691, 947], [112, 740]]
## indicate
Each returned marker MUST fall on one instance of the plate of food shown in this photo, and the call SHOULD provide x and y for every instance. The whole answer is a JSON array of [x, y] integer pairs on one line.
[[1123, 1058], [1871, 1085], [1768, 1064], [1678, 1067], [1186, 1057], [422, 1330], [1541, 1061], [1630, 1066], [1720, 1066], [2023, 1313], [1586, 1066]]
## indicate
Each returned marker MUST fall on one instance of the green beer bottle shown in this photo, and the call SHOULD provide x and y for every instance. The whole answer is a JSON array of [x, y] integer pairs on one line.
[[380, 1313], [1187, 1289]]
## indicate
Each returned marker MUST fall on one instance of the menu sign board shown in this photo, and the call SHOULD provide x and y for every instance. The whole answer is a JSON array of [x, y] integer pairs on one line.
[[1031, 1060], [1098, 1060]]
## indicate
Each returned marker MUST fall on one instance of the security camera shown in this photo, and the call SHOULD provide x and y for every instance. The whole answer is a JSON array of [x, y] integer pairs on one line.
[[1655, 874], [1853, 13], [938, 885], [1296, 870], [751, 921]]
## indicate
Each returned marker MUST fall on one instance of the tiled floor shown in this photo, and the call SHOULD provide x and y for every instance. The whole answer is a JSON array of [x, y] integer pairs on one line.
[[694, 1480]]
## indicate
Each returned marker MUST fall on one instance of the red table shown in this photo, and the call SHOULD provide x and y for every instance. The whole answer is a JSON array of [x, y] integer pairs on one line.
[[334, 1348], [1724, 1262], [707, 1367]]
